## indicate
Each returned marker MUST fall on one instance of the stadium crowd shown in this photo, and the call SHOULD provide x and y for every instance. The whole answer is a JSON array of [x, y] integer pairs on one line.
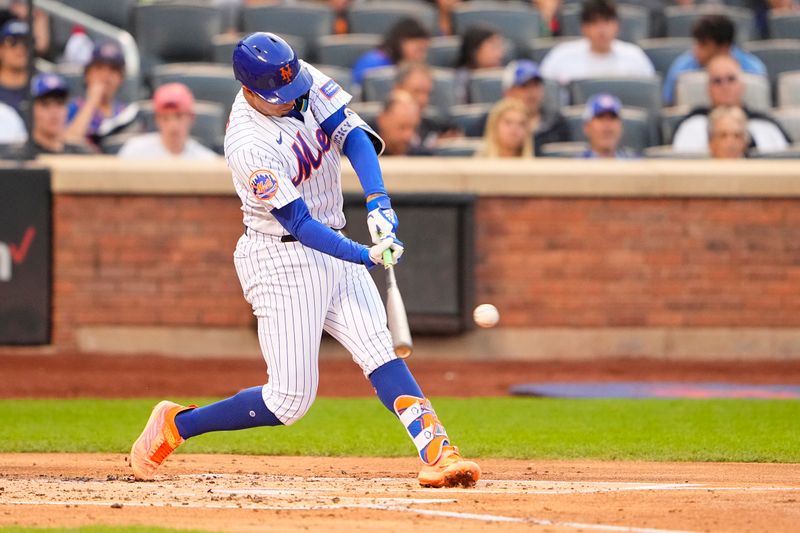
[[513, 78]]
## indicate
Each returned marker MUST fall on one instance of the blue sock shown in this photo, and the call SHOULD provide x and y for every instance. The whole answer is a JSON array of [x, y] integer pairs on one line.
[[244, 410], [394, 379]]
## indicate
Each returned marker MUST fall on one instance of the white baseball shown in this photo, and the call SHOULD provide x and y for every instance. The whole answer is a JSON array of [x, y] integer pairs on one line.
[[486, 315]]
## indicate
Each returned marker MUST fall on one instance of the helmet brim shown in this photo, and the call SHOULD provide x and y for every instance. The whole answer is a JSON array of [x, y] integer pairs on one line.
[[296, 88]]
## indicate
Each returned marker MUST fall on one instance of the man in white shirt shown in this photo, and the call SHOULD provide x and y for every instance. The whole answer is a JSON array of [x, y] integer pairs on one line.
[[13, 130], [726, 88], [173, 104], [599, 54]]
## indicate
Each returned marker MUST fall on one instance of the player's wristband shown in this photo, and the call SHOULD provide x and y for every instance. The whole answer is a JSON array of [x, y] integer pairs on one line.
[[379, 202]]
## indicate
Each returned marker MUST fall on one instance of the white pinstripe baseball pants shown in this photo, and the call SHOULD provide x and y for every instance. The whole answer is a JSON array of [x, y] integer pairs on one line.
[[295, 292]]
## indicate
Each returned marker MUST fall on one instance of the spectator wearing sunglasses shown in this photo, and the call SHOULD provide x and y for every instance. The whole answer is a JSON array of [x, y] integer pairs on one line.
[[713, 35], [13, 63], [726, 88]]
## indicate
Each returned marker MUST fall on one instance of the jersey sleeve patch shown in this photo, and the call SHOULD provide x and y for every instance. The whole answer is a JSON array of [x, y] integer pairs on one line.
[[264, 184], [329, 89]]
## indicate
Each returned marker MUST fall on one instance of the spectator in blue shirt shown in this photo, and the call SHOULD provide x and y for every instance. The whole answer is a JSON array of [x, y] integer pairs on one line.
[[407, 40], [602, 125], [14, 63], [99, 113], [713, 35]]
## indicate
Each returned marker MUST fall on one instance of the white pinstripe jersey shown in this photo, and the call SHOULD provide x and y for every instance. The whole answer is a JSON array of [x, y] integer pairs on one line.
[[275, 160]]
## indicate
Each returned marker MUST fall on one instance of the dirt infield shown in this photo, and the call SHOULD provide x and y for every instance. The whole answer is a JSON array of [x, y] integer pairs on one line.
[[236, 493]]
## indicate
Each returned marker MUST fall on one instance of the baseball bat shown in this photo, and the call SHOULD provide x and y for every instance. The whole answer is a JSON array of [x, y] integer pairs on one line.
[[396, 312]]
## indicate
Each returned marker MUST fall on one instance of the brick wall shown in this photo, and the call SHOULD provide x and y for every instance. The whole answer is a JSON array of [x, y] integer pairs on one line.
[[641, 262], [145, 260], [167, 260]]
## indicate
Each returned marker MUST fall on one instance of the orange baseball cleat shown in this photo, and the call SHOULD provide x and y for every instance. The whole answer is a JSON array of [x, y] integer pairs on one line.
[[159, 438], [451, 470]]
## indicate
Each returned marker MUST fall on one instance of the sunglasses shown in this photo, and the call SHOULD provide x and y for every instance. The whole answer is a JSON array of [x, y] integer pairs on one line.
[[14, 40], [719, 80]]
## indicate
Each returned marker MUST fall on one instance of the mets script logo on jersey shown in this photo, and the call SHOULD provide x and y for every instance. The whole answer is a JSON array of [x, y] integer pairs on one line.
[[329, 89], [286, 73], [307, 161], [264, 184]]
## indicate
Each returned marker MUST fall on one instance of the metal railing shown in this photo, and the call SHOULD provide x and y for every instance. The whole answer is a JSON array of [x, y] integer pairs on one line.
[[95, 26]]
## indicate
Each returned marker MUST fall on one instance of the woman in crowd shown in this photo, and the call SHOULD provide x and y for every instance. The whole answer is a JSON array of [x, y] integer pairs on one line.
[[407, 40], [507, 133], [482, 47]]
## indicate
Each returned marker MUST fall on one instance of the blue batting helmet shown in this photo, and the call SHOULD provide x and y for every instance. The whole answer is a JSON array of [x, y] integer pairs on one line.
[[267, 65]]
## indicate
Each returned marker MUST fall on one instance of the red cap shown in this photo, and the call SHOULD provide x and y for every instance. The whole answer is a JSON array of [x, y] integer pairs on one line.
[[173, 97]]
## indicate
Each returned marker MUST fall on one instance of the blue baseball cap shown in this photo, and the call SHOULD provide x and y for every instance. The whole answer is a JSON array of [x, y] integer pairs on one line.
[[600, 104], [108, 53], [49, 84], [14, 28], [520, 72]]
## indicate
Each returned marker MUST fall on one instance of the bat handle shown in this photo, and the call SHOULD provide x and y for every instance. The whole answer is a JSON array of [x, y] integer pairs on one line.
[[388, 259]]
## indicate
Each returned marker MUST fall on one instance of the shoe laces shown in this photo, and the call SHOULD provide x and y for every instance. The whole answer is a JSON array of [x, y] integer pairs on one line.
[[449, 456]]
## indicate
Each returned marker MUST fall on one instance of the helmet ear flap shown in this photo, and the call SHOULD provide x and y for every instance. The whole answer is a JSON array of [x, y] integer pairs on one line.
[[301, 103]]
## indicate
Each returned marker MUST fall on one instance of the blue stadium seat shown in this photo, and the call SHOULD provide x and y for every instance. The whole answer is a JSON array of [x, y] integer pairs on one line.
[[538, 48], [486, 86], [470, 118], [457, 147], [569, 150], [344, 50], [679, 19], [377, 83], [639, 92], [784, 26], [662, 52], [518, 22], [309, 20], [209, 81], [443, 51], [378, 17], [197, 25], [634, 22], [789, 89], [780, 55], [343, 76], [117, 13], [789, 119]]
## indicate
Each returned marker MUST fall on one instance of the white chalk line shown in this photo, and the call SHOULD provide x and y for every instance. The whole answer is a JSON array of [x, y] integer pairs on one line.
[[373, 506]]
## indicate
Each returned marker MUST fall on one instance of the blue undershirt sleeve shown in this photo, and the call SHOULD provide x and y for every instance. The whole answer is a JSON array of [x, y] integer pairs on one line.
[[361, 152], [296, 219]]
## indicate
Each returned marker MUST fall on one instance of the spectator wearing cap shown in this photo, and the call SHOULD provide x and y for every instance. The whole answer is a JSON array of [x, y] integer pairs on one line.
[[602, 125], [599, 53], [417, 80], [727, 133], [523, 80], [98, 113], [713, 35], [14, 63], [18, 10], [50, 93], [507, 133], [407, 40], [173, 104], [726, 88]]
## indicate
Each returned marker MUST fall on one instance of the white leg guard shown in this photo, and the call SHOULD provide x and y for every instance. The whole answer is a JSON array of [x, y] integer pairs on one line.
[[423, 426]]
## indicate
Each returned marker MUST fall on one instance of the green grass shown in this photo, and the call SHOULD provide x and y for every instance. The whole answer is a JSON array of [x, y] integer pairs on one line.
[[524, 428]]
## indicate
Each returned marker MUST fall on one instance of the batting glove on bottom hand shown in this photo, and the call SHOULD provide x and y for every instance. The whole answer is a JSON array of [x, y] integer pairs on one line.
[[374, 255]]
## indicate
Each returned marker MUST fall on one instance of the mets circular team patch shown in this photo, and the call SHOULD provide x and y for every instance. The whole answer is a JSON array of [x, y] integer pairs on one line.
[[264, 184]]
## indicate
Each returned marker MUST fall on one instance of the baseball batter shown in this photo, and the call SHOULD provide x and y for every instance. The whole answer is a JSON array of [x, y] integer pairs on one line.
[[288, 127]]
